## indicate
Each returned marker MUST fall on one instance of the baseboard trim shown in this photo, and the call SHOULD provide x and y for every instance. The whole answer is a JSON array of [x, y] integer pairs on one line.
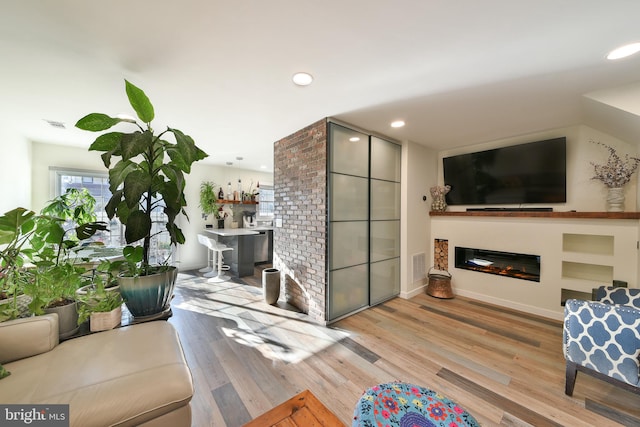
[[408, 295], [549, 314]]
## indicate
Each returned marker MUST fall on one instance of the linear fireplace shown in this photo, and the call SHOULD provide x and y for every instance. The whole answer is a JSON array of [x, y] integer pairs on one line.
[[518, 266]]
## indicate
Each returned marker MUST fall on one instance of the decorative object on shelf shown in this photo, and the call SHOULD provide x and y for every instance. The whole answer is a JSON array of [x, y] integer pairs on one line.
[[615, 199], [615, 174], [438, 192], [220, 215]]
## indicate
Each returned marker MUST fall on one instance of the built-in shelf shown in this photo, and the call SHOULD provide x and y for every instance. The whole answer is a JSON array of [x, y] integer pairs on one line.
[[541, 214], [588, 244], [584, 271], [566, 294], [235, 202]]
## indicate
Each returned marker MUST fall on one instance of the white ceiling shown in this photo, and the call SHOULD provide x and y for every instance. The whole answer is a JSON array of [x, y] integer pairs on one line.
[[459, 72]]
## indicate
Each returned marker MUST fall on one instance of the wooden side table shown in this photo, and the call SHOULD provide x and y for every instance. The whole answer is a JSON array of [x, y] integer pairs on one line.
[[304, 410]]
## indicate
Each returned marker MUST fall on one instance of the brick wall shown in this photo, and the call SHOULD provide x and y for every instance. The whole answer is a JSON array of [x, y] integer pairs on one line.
[[300, 185]]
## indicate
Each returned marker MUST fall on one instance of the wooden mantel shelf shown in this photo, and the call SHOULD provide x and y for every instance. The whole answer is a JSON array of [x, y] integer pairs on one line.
[[541, 214]]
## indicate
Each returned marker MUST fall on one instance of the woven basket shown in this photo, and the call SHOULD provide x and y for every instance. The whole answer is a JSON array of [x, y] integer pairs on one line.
[[105, 321], [439, 285]]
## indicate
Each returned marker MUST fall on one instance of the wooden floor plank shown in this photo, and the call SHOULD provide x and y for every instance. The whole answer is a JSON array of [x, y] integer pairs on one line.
[[504, 367]]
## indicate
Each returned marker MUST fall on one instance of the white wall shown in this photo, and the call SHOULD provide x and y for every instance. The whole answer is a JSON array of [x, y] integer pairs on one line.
[[45, 156], [419, 173], [583, 193], [15, 170]]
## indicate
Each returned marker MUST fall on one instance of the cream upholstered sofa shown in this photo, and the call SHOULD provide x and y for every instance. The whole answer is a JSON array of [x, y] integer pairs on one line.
[[129, 376]]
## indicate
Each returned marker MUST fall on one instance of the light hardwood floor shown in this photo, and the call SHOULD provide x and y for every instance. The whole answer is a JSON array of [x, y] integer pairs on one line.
[[504, 367]]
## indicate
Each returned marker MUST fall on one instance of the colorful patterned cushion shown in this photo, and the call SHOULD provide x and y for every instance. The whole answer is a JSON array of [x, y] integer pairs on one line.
[[408, 405], [603, 337]]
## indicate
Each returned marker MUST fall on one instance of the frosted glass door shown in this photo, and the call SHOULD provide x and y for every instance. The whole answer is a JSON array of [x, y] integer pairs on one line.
[[385, 280], [348, 287], [364, 220], [384, 276]]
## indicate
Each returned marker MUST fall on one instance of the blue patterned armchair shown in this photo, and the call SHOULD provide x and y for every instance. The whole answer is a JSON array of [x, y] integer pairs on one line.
[[602, 338]]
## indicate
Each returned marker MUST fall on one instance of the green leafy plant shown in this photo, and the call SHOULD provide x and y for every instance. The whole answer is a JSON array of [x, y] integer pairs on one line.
[[146, 172], [208, 198], [43, 241], [16, 227], [76, 204], [97, 300], [64, 222], [53, 285]]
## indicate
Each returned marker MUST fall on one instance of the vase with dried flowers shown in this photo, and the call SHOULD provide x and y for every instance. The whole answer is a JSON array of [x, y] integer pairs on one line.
[[220, 215], [614, 175]]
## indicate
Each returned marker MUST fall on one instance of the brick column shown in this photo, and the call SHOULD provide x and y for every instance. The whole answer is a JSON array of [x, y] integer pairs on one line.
[[300, 245]]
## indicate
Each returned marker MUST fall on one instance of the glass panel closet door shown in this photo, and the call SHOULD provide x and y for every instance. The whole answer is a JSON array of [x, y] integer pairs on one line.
[[384, 282], [348, 281]]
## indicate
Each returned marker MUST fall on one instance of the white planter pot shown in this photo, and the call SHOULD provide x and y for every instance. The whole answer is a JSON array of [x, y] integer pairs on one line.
[[103, 321]]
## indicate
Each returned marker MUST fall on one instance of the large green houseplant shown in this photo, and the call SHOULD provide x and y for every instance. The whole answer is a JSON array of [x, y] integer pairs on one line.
[[146, 175], [36, 260], [16, 227]]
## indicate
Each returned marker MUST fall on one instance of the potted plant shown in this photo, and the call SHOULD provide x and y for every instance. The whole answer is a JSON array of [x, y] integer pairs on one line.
[[52, 282], [16, 227], [208, 198], [101, 307], [43, 241], [146, 177]]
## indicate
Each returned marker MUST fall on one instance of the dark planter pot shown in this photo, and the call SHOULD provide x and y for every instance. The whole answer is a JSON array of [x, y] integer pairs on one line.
[[221, 223], [148, 296], [67, 319]]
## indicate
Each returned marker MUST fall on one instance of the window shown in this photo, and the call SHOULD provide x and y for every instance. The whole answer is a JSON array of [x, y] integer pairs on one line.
[[98, 185], [266, 202]]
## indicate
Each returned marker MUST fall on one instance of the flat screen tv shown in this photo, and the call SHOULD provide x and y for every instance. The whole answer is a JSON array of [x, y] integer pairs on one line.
[[532, 173]]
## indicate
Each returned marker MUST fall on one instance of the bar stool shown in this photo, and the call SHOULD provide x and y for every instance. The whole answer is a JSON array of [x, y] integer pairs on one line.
[[219, 248], [213, 245], [203, 240]]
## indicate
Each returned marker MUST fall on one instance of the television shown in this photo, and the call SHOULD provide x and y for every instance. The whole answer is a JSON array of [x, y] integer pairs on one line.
[[531, 173]]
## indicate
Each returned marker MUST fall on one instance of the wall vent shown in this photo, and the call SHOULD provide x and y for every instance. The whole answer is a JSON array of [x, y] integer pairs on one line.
[[56, 124], [418, 265]]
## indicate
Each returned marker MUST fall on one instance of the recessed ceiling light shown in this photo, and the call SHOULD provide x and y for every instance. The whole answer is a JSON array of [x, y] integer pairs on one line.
[[263, 166], [624, 51], [397, 124], [302, 79], [354, 139]]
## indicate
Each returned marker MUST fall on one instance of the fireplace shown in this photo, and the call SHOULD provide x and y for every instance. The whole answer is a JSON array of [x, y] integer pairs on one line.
[[518, 266]]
